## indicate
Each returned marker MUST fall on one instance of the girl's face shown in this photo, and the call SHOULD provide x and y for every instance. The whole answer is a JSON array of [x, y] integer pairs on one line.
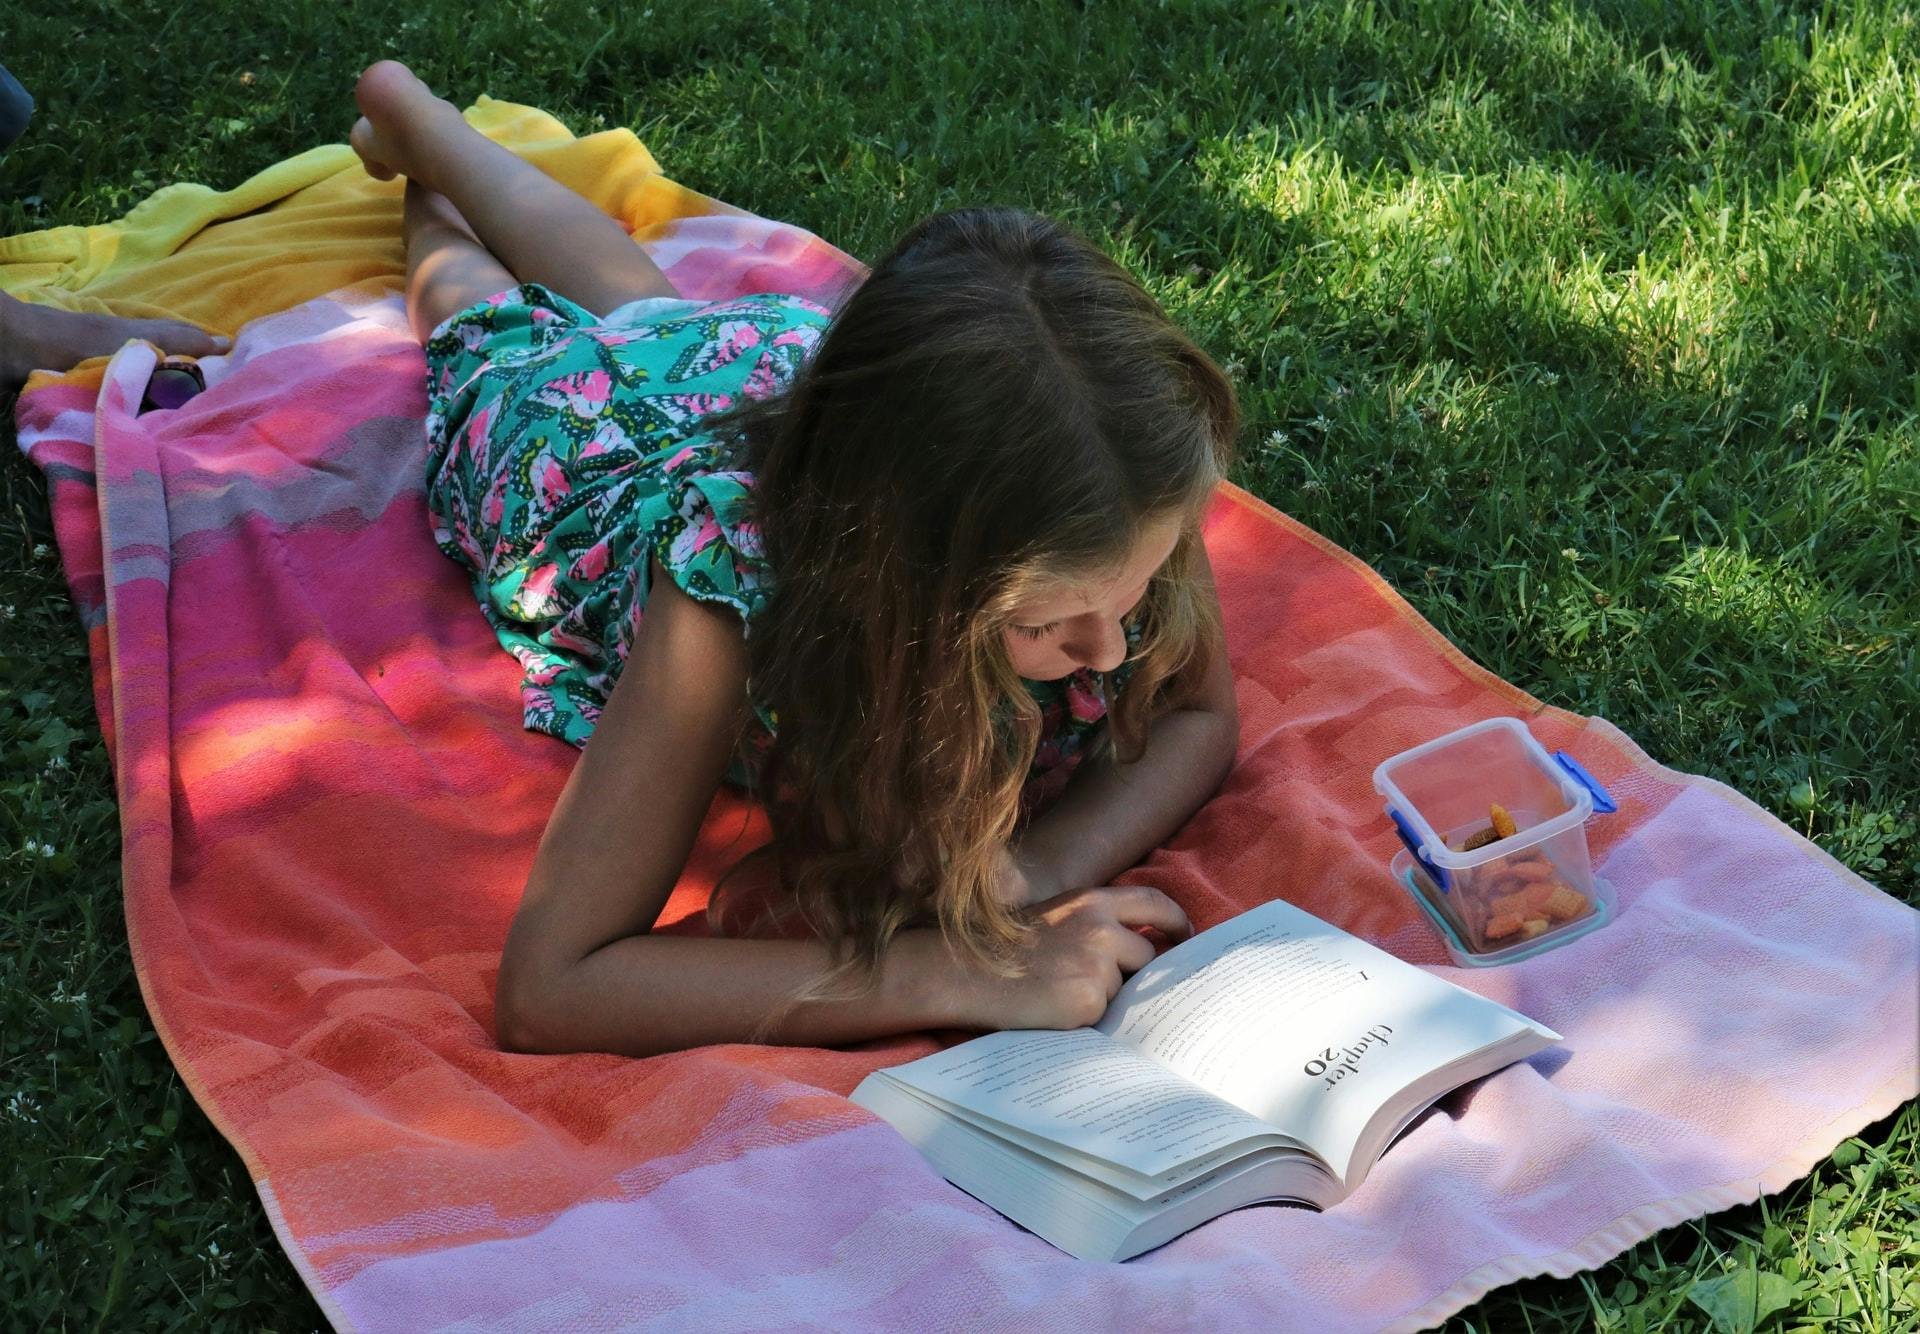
[[1077, 623]]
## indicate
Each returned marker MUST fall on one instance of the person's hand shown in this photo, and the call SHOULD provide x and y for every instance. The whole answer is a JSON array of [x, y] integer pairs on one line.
[[1083, 945], [40, 337]]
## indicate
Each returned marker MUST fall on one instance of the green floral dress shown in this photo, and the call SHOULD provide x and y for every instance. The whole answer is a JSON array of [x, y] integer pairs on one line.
[[564, 449]]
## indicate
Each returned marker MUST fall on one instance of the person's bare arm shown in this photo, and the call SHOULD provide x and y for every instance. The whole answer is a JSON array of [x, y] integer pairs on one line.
[[1112, 814], [581, 971]]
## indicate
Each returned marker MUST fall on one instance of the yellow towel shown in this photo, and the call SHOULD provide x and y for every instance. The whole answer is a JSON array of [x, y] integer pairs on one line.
[[303, 227]]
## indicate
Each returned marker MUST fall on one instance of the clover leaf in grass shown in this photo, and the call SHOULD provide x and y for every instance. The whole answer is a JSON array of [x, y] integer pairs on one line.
[[1740, 1302]]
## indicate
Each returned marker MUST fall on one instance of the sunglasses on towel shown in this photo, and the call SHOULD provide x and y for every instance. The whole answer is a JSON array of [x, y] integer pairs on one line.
[[172, 383]]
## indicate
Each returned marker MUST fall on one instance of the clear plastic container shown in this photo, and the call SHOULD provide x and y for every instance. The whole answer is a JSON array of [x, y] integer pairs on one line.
[[1515, 896]]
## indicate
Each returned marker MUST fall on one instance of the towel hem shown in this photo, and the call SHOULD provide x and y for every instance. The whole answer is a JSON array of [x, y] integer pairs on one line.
[[1636, 1225]]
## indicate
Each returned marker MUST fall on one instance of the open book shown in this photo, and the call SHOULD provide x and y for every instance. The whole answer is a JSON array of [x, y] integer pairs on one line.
[[1273, 1057]]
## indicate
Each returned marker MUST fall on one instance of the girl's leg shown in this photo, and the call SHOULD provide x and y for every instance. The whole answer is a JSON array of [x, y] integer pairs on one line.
[[538, 228], [447, 267]]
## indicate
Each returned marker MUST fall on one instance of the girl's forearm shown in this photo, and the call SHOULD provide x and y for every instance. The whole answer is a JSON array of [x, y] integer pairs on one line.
[[647, 994], [1111, 815], [644, 995]]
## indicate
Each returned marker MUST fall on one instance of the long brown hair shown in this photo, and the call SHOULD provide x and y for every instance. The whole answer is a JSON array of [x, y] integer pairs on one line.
[[999, 406]]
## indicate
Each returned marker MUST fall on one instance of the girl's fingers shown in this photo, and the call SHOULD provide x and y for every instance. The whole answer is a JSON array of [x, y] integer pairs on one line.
[[1143, 905], [1132, 951]]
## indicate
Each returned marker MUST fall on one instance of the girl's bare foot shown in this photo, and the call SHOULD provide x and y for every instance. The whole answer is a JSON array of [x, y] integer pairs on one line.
[[399, 116], [34, 337]]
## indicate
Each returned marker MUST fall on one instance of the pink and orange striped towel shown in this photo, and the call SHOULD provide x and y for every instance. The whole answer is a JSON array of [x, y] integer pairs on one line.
[[329, 809]]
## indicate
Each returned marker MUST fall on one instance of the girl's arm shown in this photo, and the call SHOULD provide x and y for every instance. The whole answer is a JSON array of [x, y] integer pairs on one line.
[[582, 973], [1112, 814]]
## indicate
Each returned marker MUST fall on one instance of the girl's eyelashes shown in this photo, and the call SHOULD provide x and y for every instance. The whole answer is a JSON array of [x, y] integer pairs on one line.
[[1042, 631]]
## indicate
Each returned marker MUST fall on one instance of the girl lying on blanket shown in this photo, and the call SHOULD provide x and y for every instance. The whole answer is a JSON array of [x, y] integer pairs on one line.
[[903, 573]]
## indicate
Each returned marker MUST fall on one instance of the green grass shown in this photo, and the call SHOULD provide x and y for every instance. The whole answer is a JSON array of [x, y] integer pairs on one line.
[[1591, 325]]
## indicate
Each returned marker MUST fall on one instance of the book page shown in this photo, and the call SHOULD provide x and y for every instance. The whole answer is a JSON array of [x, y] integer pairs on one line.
[[1137, 1186], [1083, 1090], [1301, 1024], [1076, 1213]]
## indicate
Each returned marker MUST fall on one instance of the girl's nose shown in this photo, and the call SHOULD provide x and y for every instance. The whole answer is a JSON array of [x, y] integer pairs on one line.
[[1110, 650]]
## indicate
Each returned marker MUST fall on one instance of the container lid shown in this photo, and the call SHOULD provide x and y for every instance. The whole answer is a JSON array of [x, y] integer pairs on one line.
[[1449, 781]]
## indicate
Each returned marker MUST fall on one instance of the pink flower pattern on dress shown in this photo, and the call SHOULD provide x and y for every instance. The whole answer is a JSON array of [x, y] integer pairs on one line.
[[1083, 700], [584, 395], [536, 590], [702, 531], [781, 362], [477, 434], [591, 564], [494, 507], [695, 406], [553, 483], [746, 540], [609, 437], [722, 348]]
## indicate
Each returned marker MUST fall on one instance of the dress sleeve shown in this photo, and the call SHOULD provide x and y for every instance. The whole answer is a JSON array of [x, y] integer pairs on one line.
[[710, 545], [716, 354]]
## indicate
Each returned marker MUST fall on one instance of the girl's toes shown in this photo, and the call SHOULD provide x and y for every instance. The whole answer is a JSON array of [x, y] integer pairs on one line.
[[387, 90], [365, 143]]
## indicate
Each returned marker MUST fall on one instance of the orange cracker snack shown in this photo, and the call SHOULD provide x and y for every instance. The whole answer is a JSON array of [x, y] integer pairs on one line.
[[1535, 870], [1503, 884], [1565, 904], [1503, 824], [1506, 924], [1521, 903]]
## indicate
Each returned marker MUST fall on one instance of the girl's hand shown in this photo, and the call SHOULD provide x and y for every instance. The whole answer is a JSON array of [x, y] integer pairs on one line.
[[1082, 947]]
